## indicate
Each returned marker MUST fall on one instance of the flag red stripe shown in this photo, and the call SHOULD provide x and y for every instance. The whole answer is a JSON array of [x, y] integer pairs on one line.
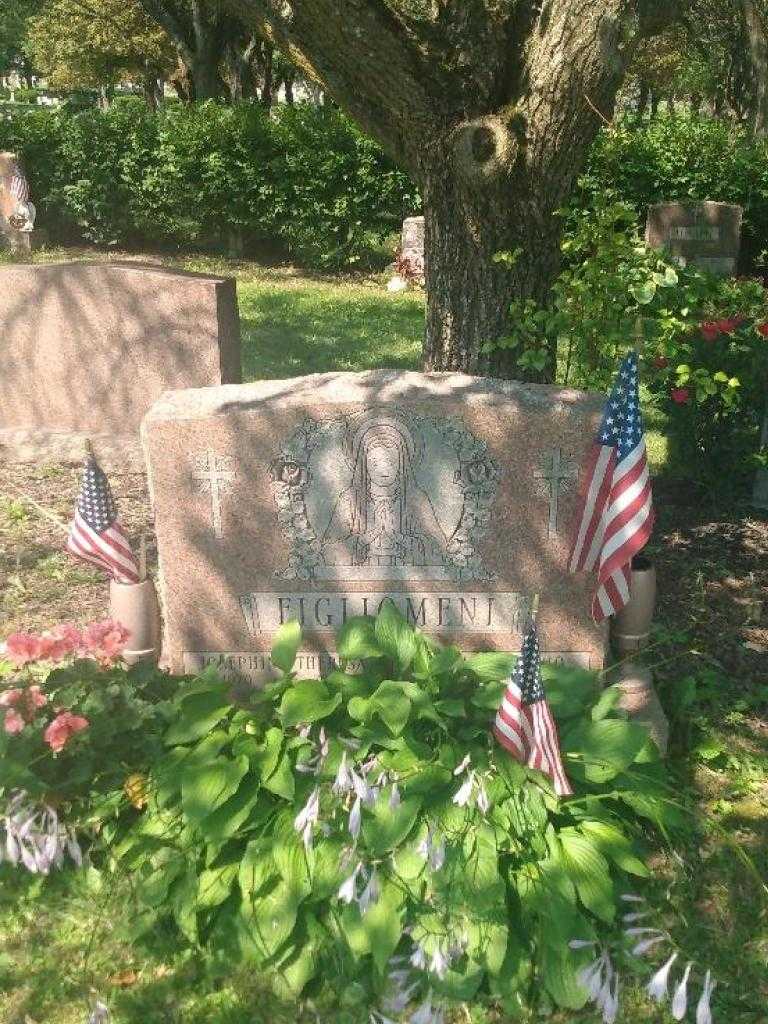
[[112, 542], [508, 744], [110, 556], [598, 476]]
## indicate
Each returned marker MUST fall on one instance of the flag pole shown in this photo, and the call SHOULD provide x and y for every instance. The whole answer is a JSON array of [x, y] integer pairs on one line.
[[142, 557], [639, 342], [534, 608], [88, 448]]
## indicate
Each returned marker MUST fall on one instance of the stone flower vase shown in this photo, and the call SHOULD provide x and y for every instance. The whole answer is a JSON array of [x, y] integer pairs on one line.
[[135, 606], [631, 628]]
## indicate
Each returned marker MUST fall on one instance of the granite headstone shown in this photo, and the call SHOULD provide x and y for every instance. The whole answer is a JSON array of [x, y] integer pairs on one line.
[[319, 497], [708, 234]]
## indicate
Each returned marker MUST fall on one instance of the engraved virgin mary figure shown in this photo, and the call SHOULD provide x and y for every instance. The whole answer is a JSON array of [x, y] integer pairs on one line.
[[384, 521]]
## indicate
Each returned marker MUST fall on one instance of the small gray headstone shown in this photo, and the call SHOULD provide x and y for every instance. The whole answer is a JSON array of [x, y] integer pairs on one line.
[[708, 234]]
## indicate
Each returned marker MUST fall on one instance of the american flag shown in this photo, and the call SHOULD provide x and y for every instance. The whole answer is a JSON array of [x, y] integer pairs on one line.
[[615, 517], [524, 724], [95, 535]]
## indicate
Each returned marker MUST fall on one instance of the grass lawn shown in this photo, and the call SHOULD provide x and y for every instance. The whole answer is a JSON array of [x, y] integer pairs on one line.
[[60, 938]]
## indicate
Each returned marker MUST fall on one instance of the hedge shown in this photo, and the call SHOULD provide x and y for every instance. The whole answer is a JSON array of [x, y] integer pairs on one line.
[[304, 180]]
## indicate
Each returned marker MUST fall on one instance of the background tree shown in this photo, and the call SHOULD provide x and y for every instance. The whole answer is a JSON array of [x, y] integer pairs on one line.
[[98, 43], [14, 55], [492, 106]]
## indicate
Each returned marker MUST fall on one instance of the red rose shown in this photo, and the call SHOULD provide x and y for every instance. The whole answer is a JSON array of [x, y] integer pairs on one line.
[[661, 362], [728, 326], [763, 329], [710, 330], [680, 395]]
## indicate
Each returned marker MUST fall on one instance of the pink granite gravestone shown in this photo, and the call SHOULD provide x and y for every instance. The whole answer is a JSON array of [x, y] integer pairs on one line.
[[88, 347], [319, 497]]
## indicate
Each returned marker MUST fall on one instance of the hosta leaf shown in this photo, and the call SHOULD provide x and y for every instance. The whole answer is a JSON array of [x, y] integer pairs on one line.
[[257, 867], [385, 828], [394, 636], [199, 713], [613, 844], [356, 639], [392, 706], [559, 969], [227, 819], [383, 926], [286, 645], [214, 885], [588, 870], [490, 666], [307, 701], [205, 788]]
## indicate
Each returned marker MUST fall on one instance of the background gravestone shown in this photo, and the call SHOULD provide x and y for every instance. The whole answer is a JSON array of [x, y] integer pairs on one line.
[[412, 244], [316, 498], [707, 235], [88, 347]]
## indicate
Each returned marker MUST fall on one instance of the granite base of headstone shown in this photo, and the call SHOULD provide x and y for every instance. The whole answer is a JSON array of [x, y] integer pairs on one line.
[[706, 235], [640, 700], [321, 497]]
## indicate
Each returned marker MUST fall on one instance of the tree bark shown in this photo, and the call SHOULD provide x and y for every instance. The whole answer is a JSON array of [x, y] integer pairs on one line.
[[758, 53], [267, 87]]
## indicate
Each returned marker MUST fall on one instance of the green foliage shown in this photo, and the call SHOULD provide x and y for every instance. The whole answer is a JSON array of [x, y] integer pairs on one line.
[[304, 180], [316, 830]]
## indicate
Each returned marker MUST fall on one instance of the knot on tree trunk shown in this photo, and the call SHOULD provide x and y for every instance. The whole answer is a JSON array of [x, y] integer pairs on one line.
[[487, 147]]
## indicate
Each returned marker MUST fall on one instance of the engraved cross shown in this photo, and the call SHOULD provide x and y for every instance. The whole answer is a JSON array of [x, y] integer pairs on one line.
[[215, 475], [554, 479]]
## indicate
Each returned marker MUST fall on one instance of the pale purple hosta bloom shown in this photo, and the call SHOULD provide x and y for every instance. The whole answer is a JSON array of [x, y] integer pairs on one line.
[[680, 999], [314, 764], [362, 789], [657, 986], [36, 837], [305, 820], [418, 957], [463, 766], [379, 1018], [630, 897], [348, 888], [394, 798], [464, 792], [439, 963], [370, 893], [483, 803], [355, 817], [703, 1011], [610, 1005], [343, 781], [629, 918], [634, 932], [99, 1014], [437, 854], [602, 985], [426, 1014], [581, 943]]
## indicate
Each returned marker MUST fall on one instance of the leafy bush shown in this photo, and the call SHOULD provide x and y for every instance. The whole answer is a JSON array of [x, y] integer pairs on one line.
[[364, 831], [305, 179]]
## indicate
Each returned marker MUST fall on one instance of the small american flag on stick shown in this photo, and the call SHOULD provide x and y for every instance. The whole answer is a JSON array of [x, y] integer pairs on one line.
[[95, 535], [524, 725], [615, 515]]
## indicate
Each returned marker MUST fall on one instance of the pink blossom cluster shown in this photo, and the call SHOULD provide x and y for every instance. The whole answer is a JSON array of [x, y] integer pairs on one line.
[[104, 641]]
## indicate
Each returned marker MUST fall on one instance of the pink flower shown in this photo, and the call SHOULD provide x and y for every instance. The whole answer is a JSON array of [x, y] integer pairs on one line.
[[661, 362], [105, 640], [710, 329], [729, 326], [680, 395], [61, 728], [13, 722], [60, 642], [22, 648], [35, 698], [9, 698], [763, 329]]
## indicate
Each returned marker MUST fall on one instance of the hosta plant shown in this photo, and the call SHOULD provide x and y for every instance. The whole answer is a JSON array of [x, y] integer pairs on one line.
[[365, 832]]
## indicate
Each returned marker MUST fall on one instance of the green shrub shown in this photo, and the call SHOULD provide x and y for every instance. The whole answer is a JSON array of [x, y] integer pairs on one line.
[[305, 180], [340, 831]]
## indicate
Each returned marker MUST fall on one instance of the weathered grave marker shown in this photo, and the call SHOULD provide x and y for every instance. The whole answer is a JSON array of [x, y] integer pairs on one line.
[[707, 234], [88, 347], [318, 498]]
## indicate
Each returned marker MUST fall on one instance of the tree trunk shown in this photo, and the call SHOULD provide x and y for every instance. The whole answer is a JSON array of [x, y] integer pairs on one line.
[[469, 288], [288, 82], [204, 73], [758, 53], [269, 76]]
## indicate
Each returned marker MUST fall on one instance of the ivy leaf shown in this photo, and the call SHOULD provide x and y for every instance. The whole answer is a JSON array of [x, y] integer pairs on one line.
[[307, 701], [286, 645], [356, 639], [394, 636], [207, 787]]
